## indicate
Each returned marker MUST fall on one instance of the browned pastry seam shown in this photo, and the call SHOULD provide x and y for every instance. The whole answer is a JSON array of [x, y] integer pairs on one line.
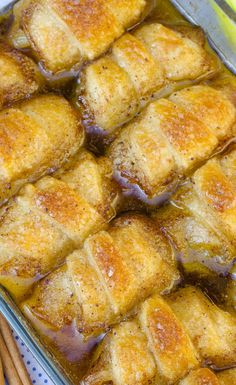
[[48, 220], [20, 77]]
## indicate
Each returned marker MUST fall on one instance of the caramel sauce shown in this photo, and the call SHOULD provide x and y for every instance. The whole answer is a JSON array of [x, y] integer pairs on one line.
[[67, 345]]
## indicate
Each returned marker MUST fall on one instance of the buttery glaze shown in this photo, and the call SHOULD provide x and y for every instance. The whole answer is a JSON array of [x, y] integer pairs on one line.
[[66, 342]]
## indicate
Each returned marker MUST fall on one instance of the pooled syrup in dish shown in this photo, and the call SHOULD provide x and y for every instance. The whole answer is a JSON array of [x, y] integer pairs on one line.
[[67, 345]]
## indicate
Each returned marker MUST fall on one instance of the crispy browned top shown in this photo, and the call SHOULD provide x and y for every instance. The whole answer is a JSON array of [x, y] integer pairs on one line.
[[20, 76]]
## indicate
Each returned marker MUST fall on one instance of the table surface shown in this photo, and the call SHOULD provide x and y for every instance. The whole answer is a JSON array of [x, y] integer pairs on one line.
[[37, 375]]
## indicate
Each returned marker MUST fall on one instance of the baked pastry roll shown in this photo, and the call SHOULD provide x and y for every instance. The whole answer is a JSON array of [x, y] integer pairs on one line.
[[227, 377], [50, 219], [171, 137], [111, 274], [168, 338], [201, 218], [63, 33], [20, 77], [37, 137], [200, 376], [211, 329], [148, 63]]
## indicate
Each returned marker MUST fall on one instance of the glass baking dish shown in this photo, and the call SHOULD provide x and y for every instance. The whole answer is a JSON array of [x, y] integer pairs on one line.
[[24, 330], [217, 18]]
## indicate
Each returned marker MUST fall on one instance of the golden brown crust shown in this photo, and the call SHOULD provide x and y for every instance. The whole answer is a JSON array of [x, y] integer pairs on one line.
[[216, 188], [103, 273], [180, 57], [37, 137], [64, 33], [175, 137], [54, 216], [139, 148], [131, 55], [209, 105], [202, 376], [189, 138], [217, 194], [74, 215], [63, 303], [212, 330], [89, 293], [127, 12], [131, 360], [91, 178], [108, 106], [31, 239], [172, 348], [19, 76], [201, 220], [115, 273]]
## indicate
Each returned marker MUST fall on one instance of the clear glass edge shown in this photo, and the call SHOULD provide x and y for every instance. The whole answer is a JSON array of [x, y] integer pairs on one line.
[[25, 331], [229, 13]]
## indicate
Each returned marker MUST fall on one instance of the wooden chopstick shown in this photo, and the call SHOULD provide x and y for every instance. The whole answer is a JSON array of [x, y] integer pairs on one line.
[[8, 366], [14, 352], [2, 379]]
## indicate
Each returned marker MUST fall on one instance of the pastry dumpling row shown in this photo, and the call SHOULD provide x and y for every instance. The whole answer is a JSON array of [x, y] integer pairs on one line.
[[167, 342], [48, 220], [19, 75], [171, 138], [66, 32], [135, 257], [116, 87], [103, 281], [201, 219]]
